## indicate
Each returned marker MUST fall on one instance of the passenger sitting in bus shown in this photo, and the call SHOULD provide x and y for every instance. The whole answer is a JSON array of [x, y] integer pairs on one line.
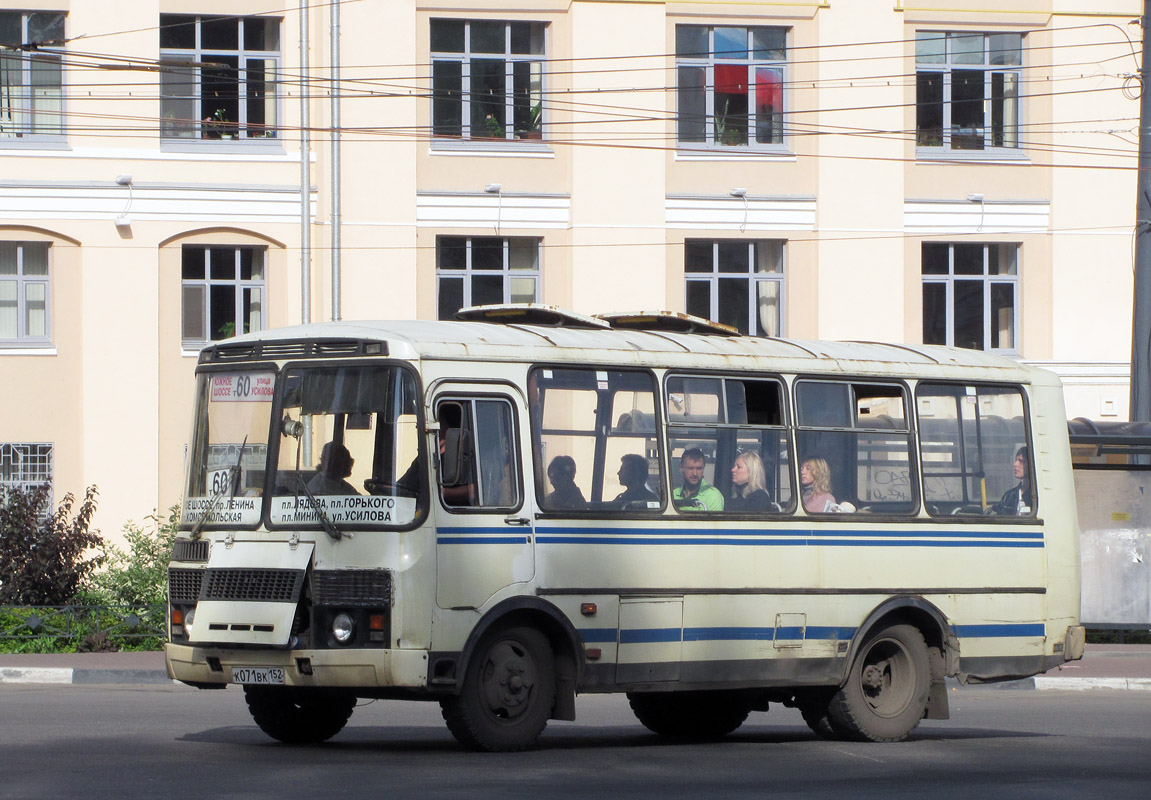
[[567, 496], [632, 475], [695, 494], [1017, 499], [815, 481], [749, 484], [335, 465]]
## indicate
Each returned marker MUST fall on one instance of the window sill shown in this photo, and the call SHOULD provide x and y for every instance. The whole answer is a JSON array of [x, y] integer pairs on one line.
[[733, 154], [514, 148], [214, 147], [932, 155], [35, 143], [28, 349], [191, 351]]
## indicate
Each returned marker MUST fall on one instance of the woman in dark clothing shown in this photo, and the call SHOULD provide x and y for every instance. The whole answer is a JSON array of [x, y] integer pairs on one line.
[[748, 485]]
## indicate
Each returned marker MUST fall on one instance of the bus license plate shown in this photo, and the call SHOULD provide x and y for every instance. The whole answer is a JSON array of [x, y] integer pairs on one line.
[[272, 676]]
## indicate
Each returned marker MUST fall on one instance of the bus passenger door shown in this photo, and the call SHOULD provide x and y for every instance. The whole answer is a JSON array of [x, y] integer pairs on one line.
[[484, 518]]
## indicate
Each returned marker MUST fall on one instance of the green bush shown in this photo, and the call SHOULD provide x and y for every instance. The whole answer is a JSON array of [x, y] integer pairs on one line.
[[138, 576]]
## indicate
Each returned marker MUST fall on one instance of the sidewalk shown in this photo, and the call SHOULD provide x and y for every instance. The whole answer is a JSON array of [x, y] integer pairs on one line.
[[1105, 666]]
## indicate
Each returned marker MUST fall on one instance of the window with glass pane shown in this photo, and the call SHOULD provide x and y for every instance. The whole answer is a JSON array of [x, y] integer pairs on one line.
[[730, 85], [969, 439], [222, 290], [485, 270], [487, 79], [855, 441], [27, 466], [31, 87], [728, 420], [594, 438], [227, 91], [736, 282], [967, 90], [971, 295], [24, 293]]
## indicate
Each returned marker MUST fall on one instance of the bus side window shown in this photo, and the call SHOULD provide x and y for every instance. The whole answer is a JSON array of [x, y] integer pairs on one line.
[[970, 438], [587, 424], [477, 454]]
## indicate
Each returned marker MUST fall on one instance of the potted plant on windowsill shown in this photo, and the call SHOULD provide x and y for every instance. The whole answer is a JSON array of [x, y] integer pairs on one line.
[[534, 129], [217, 126]]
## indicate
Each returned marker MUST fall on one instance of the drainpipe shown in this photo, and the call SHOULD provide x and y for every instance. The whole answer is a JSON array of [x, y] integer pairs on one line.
[[305, 174], [336, 233]]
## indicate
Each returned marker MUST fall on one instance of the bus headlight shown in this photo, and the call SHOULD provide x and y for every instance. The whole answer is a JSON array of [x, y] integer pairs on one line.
[[343, 628], [189, 618]]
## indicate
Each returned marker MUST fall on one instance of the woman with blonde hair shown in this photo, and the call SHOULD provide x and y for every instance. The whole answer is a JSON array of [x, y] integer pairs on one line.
[[815, 481], [748, 484]]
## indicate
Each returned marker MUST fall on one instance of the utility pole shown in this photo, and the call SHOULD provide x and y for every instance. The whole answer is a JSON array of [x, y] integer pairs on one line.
[[1141, 305]]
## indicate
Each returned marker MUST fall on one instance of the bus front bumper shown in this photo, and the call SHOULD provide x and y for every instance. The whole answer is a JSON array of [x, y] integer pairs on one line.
[[212, 666]]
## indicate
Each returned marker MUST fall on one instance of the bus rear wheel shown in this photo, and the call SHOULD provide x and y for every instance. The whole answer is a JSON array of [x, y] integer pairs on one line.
[[299, 716], [885, 695], [507, 694], [694, 715]]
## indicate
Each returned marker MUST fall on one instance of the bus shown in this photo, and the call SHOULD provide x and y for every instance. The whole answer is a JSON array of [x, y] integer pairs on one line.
[[505, 510]]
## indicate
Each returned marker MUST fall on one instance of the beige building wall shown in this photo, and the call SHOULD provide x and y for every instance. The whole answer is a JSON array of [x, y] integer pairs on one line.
[[607, 191]]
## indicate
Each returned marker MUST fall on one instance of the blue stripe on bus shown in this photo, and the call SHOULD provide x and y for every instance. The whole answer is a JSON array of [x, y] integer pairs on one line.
[[1000, 631], [831, 533], [485, 540], [791, 633], [763, 542], [747, 537]]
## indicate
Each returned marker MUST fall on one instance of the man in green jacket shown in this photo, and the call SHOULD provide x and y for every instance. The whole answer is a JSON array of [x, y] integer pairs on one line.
[[696, 494]]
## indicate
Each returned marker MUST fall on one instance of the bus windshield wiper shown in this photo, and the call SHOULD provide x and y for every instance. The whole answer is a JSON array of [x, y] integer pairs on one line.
[[325, 521], [233, 473]]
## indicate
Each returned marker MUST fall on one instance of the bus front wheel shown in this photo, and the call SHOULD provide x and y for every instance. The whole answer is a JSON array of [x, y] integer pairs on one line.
[[885, 695], [508, 692], [298, 716]]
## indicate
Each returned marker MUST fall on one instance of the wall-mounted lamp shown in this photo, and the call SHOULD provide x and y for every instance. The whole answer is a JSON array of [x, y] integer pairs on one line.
[[977, 197], [497, 190], [123, 221], [741, 192]]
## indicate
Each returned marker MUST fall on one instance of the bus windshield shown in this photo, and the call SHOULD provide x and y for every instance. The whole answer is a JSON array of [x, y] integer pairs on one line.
[[348, 448], [230, 448]]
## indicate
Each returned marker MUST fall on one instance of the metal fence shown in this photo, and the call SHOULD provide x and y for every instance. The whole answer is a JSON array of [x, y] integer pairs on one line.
[[78, 623]]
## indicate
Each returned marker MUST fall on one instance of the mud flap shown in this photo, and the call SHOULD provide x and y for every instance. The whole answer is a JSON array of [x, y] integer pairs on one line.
[[937, 701]]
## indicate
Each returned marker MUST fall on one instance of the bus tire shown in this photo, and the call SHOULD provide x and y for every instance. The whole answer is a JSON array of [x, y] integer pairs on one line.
[[690, 715], [886, 691], [299, 716], [507, 694]]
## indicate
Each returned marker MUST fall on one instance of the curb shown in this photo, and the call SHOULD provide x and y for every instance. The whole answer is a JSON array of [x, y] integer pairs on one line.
[[67, 675], [1087, 684]]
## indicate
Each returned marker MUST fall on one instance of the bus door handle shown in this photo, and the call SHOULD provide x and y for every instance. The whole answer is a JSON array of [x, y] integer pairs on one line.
[[517, 521]]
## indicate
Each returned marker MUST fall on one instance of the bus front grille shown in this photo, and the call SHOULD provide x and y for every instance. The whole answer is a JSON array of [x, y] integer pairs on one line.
[[184, 584], [187, 550], [257, 585], [365, 588]]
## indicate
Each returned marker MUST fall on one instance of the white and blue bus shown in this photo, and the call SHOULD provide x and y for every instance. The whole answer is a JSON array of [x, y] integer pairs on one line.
[[501, 512]]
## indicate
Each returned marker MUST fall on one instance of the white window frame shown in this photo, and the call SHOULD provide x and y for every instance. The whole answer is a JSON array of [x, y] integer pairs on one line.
[[238, 284], [22, 282], [220, 133], [753, 278], [987, 280], [945, 70], [26, 465], [23, 99], [470, 272], [713, 119], [533, 128]]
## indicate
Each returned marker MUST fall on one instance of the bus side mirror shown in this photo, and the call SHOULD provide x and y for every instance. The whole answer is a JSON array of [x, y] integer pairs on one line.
[[456, 458]]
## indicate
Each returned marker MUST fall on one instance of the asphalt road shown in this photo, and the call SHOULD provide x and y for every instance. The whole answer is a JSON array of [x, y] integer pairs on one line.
[[173, 742]]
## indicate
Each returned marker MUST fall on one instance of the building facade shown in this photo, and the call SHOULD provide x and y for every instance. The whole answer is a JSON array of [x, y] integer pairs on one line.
[[927, 172]]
